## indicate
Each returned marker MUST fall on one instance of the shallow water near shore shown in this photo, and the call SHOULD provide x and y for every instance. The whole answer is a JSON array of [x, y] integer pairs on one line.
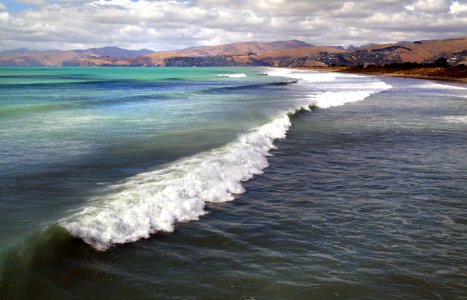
[[150, 183]]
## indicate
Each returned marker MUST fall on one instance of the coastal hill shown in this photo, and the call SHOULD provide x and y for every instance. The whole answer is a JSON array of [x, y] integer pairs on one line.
[[242, 48], [222, 55], [25, 57], [454, 50], [291, 53], [422, 51]]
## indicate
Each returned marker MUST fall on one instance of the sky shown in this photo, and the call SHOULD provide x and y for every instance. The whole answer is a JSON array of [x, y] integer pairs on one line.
[[176, 24]]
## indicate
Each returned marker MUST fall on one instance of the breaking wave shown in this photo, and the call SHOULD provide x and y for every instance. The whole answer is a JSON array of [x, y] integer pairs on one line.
[[305, 76], [241, 75], [155, 201]]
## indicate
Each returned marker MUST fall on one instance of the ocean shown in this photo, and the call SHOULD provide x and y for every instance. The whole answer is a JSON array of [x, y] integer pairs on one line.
[[230, 183]]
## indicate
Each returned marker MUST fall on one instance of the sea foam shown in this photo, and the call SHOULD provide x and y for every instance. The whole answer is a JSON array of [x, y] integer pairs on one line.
[[241, 75], [304, 76], [438, 86], [155, 201], [336, 98], [456, 119]]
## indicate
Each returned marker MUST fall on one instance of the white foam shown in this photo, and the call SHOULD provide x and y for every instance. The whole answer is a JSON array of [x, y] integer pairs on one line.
[[438, 86], [456, 119], [241, 75], [336, 98], [314, 76], [345, 93], [155, 201], [280, 71], [306, 76]]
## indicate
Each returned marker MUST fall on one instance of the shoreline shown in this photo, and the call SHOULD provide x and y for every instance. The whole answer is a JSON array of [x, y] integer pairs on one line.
[[430, 73], [445, 74]]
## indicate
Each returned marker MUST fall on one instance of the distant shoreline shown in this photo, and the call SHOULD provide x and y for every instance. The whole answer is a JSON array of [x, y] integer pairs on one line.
[[451, 74]]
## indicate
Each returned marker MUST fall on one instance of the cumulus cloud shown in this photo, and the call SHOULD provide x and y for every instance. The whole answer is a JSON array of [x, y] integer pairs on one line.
[[172, 24], [434, 6], [35, 2], [458, 8]]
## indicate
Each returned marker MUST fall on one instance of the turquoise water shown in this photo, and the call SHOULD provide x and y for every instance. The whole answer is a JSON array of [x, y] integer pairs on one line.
[[117, 182]]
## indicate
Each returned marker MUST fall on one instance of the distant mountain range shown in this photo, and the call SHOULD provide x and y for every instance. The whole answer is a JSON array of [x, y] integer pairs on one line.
[[291, 53], [26, 57]]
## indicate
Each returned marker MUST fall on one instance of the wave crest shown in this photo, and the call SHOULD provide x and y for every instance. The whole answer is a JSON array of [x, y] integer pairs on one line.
[[306, 76], [241, 75], [154, 201]]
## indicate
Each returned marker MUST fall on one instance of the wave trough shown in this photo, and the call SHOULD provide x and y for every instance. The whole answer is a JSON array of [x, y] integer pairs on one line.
[[155, 201]]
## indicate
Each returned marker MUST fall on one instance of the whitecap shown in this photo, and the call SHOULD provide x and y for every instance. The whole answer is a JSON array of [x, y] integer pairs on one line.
[[456, 119], [241, 75], [279, 71], [336, 98], [306, 76]]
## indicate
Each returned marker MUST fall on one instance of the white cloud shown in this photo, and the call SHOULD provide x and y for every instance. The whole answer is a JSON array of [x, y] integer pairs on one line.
[[35, 2], [170, 24], [4, 16], [431, 5], [115, 2], [458, 8]]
